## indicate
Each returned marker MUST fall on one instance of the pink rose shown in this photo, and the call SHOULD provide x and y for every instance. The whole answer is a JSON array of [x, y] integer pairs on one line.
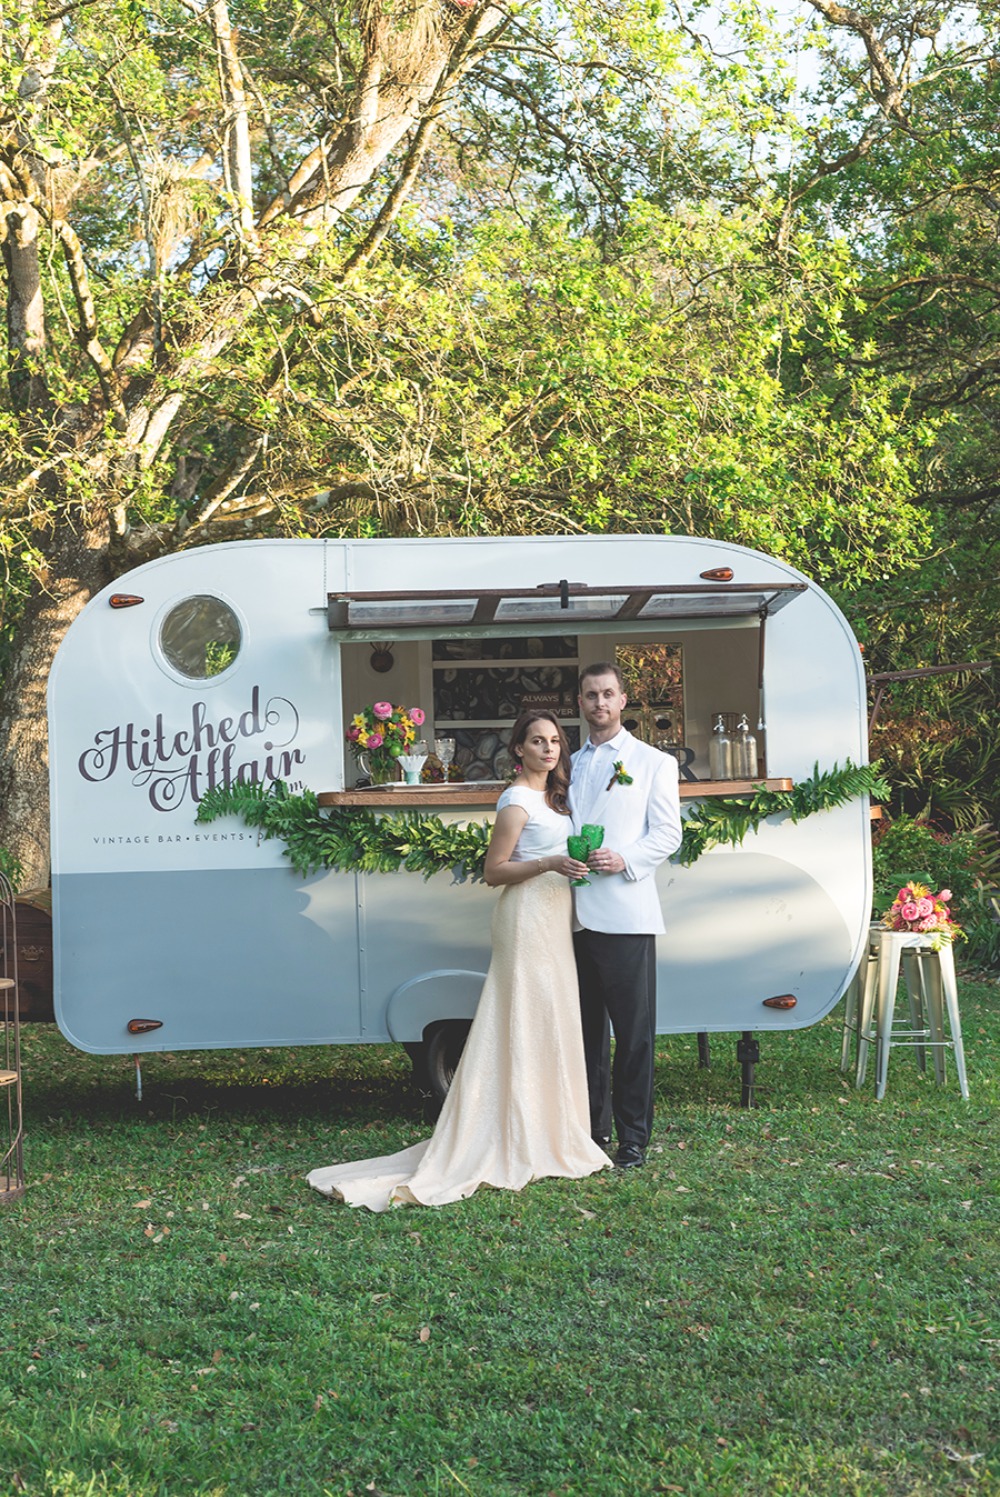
[[925, 907], [353, 734], [910, 911], [903, 895], [417, 716], [382, 710], [945, 895], [927, 924], [374, 741]]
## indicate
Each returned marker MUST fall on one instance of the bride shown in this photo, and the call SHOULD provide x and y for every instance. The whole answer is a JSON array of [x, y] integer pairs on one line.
[[517, 1108]]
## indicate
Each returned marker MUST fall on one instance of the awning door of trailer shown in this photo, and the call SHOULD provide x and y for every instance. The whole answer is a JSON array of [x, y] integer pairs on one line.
[[560, 607]]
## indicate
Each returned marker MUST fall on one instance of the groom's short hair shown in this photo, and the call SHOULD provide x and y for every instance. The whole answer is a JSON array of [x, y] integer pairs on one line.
[[603, 668]]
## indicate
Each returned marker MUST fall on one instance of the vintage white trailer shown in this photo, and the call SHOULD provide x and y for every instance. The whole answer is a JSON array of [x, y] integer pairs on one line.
[[248, 660]]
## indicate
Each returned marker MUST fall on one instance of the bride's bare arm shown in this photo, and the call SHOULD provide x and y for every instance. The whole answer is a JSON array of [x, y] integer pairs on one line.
[[499, 867]]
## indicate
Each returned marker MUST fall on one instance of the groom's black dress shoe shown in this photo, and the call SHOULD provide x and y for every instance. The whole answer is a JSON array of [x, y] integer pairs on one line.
[[601, 1142], [630, 1156]]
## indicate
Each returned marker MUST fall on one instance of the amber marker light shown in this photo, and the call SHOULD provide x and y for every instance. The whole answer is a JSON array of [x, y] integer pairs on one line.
[[124, 600]]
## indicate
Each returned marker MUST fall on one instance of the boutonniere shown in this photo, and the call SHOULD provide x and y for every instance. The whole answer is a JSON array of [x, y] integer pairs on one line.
[[619, 777]]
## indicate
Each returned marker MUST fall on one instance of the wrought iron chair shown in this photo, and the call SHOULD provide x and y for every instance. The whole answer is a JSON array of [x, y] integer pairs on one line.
[[12, 1131]]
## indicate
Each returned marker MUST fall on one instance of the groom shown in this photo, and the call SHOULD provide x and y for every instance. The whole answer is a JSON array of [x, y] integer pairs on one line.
[[630, 789]]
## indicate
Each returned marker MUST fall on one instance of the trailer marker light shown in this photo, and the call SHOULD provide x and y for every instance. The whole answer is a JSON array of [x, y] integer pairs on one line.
[[143, 1026], [717, 574], [124, 600], [783, 1000]]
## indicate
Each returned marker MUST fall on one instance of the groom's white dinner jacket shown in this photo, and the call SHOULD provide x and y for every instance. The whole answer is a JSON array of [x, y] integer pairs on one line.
[[641, 821]]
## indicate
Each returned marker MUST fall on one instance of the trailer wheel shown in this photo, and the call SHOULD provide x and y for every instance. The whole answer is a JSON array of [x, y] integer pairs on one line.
[[444, 1051]]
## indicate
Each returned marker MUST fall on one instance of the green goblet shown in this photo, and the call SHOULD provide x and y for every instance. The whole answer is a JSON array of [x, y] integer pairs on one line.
[[595, 836], [579, 848]]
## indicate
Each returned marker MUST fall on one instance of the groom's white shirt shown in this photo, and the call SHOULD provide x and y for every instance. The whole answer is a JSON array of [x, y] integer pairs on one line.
[[641, 821]]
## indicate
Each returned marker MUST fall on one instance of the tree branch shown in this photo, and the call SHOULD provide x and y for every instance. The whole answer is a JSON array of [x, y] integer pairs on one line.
[[87, 325], [891, 93], [458, 63], [235, 123], [223, 487]]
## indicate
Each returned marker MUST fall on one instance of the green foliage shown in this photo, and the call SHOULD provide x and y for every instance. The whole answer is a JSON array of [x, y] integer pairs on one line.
[[966, 862], [646, 283], [353, 839], [718, 820], [937, 736], [536, 384], [10, 868]]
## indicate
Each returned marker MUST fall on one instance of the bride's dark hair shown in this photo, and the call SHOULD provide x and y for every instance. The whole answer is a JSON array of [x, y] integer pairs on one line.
[[557, 784]]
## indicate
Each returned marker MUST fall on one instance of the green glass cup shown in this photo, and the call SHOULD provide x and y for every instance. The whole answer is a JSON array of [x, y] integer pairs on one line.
[[595, 836], [579, 848]]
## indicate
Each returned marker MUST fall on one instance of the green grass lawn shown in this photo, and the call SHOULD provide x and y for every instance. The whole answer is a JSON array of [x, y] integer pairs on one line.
[[795, 1299]]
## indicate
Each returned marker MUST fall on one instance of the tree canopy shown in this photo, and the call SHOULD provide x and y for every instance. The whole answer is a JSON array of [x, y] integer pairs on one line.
[[437, 266]]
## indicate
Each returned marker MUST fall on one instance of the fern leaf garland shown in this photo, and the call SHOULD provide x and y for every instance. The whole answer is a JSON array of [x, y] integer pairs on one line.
[[352, 840]]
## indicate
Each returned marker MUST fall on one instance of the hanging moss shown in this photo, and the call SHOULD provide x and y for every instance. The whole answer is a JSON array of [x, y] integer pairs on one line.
[[352, 840]]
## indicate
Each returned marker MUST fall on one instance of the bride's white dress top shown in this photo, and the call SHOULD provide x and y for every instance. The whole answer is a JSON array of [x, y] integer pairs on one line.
[[517, 1108]]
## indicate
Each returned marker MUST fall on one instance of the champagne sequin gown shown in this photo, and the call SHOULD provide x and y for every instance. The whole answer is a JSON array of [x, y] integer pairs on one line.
[[517, 1108]]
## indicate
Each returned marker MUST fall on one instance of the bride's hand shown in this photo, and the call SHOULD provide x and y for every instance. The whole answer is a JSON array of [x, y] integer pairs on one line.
[[563, 864]]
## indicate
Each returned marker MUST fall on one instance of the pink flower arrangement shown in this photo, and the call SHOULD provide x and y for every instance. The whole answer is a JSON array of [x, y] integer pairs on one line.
[[917, 908], [382, 732]]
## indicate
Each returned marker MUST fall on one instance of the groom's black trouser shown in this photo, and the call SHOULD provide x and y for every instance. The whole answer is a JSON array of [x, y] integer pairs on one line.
[[617, 976]]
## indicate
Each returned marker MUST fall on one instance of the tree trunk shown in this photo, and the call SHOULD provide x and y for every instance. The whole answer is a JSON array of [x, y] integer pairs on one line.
[[25, 310], [78, 568]]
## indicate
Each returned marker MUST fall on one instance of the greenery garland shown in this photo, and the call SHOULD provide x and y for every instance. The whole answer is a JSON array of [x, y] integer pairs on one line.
[[352, 839], [721, 818]]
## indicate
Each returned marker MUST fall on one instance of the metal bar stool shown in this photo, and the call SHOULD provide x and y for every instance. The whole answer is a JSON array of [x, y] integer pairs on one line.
[[858, 1000], [859, 1007], [931, 990], [918, 1033]]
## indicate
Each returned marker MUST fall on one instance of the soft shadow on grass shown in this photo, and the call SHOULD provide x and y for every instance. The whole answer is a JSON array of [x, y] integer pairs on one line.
[[795, 1299]]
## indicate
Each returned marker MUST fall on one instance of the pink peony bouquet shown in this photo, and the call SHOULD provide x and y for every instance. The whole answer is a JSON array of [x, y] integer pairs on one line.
[[918, 909], [381, 733]]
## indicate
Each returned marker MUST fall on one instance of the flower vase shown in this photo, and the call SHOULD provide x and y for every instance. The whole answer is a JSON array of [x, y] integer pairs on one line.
[[380, 768]]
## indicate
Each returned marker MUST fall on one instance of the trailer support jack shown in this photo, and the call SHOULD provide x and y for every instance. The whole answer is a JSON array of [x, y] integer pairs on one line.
[[748, 1054]]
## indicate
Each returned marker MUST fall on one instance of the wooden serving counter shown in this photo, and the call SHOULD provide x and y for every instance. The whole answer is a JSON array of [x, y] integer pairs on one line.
[[486, 793]]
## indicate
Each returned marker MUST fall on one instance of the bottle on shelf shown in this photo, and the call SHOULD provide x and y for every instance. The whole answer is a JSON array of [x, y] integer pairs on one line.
[[745, 755], [720, 752]]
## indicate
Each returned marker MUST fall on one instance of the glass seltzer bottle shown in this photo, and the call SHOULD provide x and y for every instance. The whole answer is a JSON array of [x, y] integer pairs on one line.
[[746, 751], [720, 752]]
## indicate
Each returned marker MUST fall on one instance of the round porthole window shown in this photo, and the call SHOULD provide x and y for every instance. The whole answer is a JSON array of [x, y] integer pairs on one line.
[[200, 637]]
